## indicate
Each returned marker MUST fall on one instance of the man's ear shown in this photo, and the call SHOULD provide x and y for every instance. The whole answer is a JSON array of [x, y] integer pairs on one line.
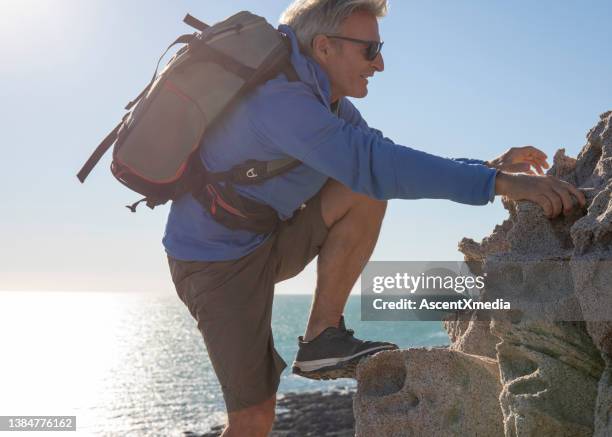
[[320, 47]]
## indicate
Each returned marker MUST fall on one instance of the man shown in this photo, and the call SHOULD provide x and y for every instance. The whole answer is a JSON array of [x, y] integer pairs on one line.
[[226, 278]]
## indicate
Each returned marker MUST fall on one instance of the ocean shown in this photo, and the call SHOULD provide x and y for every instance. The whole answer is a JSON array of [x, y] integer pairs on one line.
[[135, 363]]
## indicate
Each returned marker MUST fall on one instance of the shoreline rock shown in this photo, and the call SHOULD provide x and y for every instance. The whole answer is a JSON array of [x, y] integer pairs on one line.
[[309, 414]]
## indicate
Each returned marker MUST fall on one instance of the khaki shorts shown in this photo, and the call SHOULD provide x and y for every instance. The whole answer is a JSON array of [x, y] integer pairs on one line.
[[232, 303]]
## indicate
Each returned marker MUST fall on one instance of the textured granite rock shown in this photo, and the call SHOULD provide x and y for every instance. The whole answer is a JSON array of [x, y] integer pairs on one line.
[[592, 259], [549, 373], [427, 392], [570, 279], [603, 408], [550, 360], [472, 336]]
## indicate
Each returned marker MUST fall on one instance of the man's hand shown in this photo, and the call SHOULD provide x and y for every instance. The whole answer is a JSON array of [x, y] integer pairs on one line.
[[552, 194], [520, 160]]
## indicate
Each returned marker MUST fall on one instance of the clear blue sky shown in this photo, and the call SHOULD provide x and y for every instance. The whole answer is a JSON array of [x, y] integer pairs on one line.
[[462, 79]]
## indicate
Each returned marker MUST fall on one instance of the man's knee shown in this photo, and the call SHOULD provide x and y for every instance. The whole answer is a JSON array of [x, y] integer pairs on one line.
[[253, 421], [337, 200]]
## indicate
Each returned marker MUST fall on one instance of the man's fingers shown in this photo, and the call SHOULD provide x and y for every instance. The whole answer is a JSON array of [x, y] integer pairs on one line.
[[539, 169], [536, 156], [532, 159], [520, 167], [551, 194], [556, 201], [545, 204], [579, 195], [540, 162], [566, 199], [537, 166], [537, 153]]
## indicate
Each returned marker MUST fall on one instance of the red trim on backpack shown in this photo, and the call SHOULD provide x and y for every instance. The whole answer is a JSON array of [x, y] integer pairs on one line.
[[171, 87], [176, 90], [175, 178], [218, 199]]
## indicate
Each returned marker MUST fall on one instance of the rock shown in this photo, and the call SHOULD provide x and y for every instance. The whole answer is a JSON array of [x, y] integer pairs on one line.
[[563, 166], [553, 239], [592, 260], [495, 243], [550, 371], [549, 374], [603, 409], [472, 336], [421, 392], [549, 360], [311, 414], [467, 333]]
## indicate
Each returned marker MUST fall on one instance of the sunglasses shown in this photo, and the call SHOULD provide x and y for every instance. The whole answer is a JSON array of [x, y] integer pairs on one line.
[[373, 47]]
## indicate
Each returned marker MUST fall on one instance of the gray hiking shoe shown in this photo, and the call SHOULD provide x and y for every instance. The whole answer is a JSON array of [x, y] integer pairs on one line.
[[334, 353]]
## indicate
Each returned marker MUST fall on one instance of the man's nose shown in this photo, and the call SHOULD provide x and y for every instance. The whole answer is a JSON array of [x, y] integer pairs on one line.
[[378, 63]]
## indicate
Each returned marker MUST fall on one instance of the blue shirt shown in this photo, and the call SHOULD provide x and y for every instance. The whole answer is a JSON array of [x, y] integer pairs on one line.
[[283, 119]]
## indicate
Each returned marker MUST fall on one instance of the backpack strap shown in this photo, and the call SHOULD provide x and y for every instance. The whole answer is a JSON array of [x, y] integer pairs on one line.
[[253, 172], [183, 39], [192, 21], [205, 51], [216, 193], [98, 153], [234, 211]]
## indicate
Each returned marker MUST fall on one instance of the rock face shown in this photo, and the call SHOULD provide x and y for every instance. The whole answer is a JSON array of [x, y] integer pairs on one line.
[[544, 372], [427, 392], [549, 374]]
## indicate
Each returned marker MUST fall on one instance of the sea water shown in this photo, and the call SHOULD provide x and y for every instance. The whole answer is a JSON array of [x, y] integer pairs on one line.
[[135, 363]]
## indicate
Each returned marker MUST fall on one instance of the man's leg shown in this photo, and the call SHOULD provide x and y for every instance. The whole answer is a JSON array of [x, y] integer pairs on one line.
[[329, 350], [354, 222], [254, 421], [232, 303]]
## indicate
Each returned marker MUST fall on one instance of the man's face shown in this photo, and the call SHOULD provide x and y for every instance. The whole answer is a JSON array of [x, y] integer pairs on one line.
[[346, 62]]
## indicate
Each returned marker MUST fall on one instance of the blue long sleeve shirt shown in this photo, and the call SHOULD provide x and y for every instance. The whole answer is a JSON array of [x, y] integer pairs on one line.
[[283, 119]]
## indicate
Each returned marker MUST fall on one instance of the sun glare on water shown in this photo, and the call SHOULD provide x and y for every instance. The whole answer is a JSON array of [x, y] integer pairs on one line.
[[57, 352]]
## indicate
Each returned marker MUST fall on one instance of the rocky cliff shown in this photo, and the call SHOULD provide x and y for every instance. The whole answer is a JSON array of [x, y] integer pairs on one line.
[[547, 372]]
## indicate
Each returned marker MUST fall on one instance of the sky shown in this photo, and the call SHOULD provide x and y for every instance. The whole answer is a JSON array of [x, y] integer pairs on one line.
[[461, 79]]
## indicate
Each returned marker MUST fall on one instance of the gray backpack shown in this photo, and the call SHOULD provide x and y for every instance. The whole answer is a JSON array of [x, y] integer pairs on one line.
[[156, 142]]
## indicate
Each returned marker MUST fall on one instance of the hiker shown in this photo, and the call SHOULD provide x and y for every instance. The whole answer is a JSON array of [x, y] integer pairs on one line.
[[331, 205]]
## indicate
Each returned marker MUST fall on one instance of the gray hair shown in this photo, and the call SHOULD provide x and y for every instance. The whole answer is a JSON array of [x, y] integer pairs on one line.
[[309, 18]]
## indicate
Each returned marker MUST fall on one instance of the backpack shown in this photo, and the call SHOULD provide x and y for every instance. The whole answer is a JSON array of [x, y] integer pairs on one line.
[[156, 143]]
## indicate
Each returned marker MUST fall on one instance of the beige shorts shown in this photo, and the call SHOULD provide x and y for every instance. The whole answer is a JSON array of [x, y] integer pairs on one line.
[[232, 303]]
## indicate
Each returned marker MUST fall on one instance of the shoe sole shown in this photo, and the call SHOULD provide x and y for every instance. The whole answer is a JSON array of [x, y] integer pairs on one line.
[[344, 369]]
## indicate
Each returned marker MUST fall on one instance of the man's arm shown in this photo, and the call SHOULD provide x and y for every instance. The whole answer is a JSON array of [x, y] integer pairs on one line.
[[292, 120], [351, 114], [550, 193]]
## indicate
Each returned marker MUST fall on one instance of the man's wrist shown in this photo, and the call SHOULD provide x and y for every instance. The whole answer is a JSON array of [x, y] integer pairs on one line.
[[501, 183]]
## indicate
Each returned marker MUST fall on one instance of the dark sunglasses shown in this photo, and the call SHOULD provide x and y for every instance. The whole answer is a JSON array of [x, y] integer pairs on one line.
[[373, 47]]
